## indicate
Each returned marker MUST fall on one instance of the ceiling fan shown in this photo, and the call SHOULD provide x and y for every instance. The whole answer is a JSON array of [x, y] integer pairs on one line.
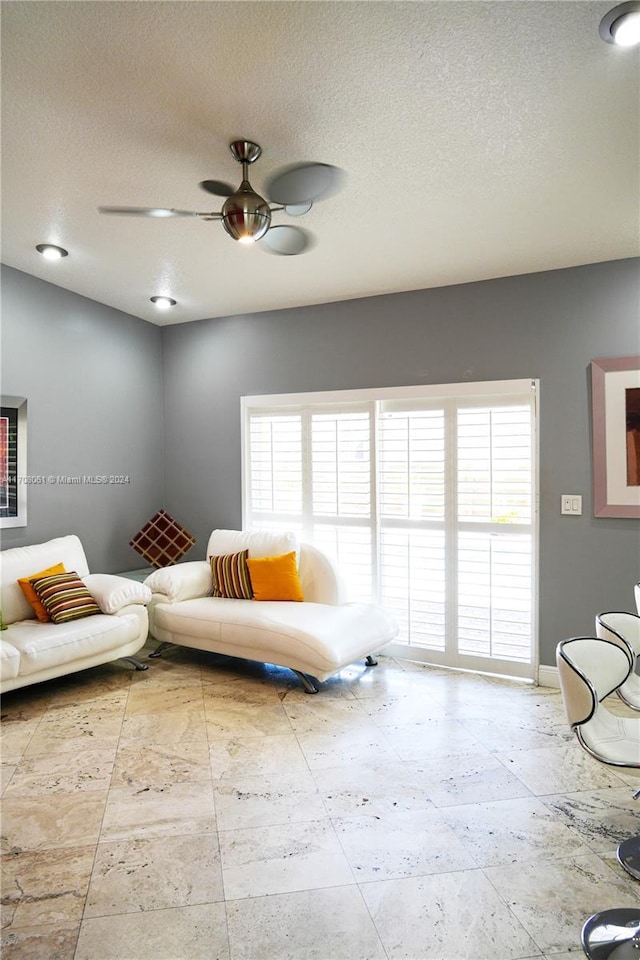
[[245, 215]]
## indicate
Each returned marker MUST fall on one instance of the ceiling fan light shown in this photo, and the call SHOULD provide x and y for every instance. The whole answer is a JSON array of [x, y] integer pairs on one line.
[[246, 227], [246, 215]]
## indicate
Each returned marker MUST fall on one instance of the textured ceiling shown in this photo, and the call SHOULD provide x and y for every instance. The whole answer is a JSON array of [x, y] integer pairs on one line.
[[478, 139]]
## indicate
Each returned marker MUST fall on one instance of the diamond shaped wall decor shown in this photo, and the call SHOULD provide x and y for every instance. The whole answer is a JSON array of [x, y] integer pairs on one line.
[[162, 541]]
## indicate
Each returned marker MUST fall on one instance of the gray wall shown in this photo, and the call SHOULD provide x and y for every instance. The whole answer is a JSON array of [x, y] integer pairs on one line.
[[96, 381], [547, 325], [92, 379]]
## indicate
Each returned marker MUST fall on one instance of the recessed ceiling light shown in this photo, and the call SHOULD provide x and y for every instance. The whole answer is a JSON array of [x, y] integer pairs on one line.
[[163, 303], [622, 24], [51, 252]]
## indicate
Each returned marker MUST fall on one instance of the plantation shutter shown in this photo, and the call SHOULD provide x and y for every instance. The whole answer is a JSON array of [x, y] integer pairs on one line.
[[412, 496], [426, 504], [342, 493], [495, 495]]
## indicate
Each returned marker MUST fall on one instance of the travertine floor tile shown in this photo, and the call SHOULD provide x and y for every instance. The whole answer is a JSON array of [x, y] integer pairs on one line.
[[454, 916], [466, 778], [41, 774], [433, 738], [395, 711], [289, 797], [139, 875], [371, 682], [564, 768], [40, 823], [240, 689], [41, 943], [507, 831], [226, 719], [347, 747], [159, 810], [170, 671], [508, 734], [28, 703], [45, 886], [7, 771], [404, 844], [155, 763], [73, 727], [307, 925], [109, 682], [280, 859], [153, 697], [182, 933], [326, 717], [173, 726], [373, 787], [15, 736], [602, 817], [207, 778], [553, 899], [250, 756]]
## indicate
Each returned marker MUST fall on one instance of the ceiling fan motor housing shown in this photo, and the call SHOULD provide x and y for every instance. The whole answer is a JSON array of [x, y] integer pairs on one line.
[[246, 215]]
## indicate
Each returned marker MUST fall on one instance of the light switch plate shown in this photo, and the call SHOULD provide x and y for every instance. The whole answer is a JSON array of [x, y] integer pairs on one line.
[[571, 504]]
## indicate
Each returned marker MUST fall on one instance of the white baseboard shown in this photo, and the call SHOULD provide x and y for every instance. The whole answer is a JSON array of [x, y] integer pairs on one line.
[[548, 676]]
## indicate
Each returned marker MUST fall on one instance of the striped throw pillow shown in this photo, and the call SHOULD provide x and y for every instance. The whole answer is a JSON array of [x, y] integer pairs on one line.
[[65, 597], [231, 576]]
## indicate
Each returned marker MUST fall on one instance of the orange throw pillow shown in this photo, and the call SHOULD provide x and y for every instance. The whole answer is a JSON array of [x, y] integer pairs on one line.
[[275, 578], [25, 584]]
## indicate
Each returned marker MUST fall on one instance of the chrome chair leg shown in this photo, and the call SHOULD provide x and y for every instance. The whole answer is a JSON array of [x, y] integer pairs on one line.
[[628, 854], [612, 935], [309, 683]]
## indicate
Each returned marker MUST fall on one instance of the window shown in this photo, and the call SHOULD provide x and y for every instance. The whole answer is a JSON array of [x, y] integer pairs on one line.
[[425, 498]]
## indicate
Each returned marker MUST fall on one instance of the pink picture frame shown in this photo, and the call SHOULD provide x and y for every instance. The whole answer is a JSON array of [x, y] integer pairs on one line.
[[615, 392]]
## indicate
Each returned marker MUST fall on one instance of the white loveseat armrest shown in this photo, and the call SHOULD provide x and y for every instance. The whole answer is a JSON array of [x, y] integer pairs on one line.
[[113, 593], [183, 581]]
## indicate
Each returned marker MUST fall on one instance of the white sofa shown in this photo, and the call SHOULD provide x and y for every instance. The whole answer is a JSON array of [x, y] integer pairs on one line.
[[31, 651], [315, 638]]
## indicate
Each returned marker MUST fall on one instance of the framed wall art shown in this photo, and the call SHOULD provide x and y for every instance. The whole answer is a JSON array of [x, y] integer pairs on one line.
[[615, 398], [13, 462]]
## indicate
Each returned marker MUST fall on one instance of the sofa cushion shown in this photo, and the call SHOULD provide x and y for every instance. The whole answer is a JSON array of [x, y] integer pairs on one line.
[[230, 575], [9, 660], [314, 637], [112, 592], [259, 543], [65, 597], [275, 578], [26, 585], [46, 645], [22, 561]]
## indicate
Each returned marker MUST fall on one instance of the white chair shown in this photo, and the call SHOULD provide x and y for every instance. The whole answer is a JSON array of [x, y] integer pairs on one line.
[[591, 669], [624, 629], [636, 590]]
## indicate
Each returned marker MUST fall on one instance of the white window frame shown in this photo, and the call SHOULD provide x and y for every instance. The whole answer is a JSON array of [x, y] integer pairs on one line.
[[480, 393]]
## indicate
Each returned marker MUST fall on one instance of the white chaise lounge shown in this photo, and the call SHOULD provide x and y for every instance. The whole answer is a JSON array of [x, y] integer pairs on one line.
[[315, 638]]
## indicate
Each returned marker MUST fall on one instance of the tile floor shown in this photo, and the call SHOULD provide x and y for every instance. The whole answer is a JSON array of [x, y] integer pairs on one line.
[[209, 809]]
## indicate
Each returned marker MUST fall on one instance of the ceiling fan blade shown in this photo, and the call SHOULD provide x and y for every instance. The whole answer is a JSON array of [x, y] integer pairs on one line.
[[302, 182], [217, 187], [298, 209], [286, 241], [149, 211]]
